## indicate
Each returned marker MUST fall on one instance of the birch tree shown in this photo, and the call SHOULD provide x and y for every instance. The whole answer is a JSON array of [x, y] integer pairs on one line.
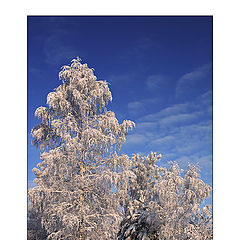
[[165, 205], [79, 140], [86, 190], [34, 226]]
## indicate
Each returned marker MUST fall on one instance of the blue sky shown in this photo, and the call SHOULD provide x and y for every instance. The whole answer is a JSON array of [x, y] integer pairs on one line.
[[160, 75]]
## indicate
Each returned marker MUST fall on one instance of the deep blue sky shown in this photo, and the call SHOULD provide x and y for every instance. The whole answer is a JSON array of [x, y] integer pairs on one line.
[[160, 75]]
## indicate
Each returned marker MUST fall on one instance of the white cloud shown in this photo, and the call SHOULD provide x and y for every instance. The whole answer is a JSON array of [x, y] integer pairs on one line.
[[201, 127], [205, 162], [163, 140], [136, 139], [140, 106], [193, 138], [158, 81], [146, 125], [166, 112], [207, 97], [135, 106], [175, 109], [183, 113], [168, 156], [181, 141], [190, 82], [179, 118], [181, 132]]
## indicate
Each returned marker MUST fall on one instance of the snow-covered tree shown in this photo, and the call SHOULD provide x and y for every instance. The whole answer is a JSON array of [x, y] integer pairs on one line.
[[79, 140], [163, 204], [34, 226], [86, 190]]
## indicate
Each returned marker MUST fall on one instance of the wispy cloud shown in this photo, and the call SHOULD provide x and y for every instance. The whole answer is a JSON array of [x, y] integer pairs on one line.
[[144, 126], [193, 137], [136, 106], [205, 162], [181, 132], [163, 140], [141, 105], [198, 127], [179, 118], [182, 112], [207, 97], [183, 140], [156, 82], [166, 112], [192, 82], [136, 139]]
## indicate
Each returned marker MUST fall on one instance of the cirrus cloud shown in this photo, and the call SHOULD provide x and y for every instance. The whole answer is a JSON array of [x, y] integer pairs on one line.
[[194, 82]]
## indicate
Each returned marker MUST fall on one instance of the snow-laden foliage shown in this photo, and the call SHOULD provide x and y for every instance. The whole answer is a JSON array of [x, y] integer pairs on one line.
[[163, 204], [85, 190], [34, 226], [79, 140]]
